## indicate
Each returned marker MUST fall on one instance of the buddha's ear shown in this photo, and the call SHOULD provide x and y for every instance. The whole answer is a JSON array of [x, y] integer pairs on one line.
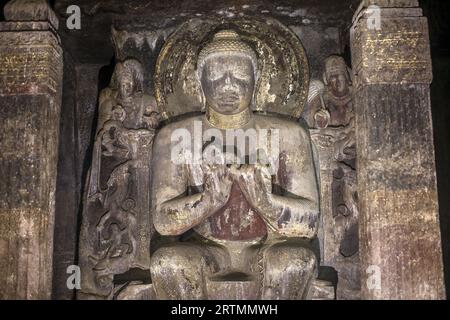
[[257, 85], [200, 89], [255, 91], [325, 80]]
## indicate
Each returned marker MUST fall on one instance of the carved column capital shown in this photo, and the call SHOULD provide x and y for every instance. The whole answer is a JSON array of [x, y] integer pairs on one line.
[[391, 43], [30, 10]]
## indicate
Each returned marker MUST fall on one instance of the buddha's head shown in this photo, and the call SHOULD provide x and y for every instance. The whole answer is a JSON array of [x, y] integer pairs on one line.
[[129, 78], [336, 76], [227, 69]]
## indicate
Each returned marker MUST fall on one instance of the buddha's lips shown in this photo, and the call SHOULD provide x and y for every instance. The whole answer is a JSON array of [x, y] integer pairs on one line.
[[228, 98]]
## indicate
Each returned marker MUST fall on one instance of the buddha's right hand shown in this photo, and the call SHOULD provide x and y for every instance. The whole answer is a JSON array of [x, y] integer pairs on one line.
[[217, 185]]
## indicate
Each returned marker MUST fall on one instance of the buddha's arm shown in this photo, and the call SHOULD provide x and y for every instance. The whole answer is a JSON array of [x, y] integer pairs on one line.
[[295, 211], [292, 216], [175, 216], [175, 212]]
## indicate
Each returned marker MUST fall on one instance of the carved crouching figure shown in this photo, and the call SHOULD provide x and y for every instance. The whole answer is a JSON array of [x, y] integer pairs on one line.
[[237, 221]]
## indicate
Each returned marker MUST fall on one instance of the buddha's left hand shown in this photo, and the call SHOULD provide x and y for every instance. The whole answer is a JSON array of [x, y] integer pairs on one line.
[[255, 182]]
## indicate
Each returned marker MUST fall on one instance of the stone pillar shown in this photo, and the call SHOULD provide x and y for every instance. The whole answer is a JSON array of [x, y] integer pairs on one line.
[[399, 226], [30, 100]]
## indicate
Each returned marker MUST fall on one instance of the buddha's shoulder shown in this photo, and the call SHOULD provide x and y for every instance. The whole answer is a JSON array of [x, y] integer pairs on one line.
[[285, 125], [182, 124]]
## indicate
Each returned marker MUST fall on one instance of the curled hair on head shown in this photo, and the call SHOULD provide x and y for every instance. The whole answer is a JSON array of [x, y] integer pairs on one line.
[[132, 67], [226, 42]]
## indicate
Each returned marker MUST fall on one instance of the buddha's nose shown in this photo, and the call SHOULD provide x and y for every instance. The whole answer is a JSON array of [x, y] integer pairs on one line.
[[228, 78]]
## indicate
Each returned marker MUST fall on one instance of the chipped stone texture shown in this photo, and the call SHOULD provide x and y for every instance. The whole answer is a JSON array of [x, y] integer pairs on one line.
[[399, 210], [141, 43], [331, 236], [30, 99], [220, 289], [399, 226], [321, 290], [134, 15], [136, 291]]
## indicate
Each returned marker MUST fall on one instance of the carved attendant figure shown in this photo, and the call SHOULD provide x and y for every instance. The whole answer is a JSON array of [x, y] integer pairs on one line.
[[234, 219], [331, 105], [116, 228]]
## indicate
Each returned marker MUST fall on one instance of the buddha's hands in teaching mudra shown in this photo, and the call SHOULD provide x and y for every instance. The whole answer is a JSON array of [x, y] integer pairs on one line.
[[217, 185], [255, 181]]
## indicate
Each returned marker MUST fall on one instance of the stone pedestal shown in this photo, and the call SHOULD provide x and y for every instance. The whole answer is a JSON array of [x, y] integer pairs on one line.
[[400, 243], [30, 99]]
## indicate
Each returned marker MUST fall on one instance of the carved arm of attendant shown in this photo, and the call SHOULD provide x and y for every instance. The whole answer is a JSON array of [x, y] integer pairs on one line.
[[174, 211], [295, 212]]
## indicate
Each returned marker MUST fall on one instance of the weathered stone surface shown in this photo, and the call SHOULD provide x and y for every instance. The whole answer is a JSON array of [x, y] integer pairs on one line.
[[397, 53], [86, 101], [322, 290], [154, 18], [399, 228], [223, 289], [68, 187], [30, 99], [399, 210], [137, 292]]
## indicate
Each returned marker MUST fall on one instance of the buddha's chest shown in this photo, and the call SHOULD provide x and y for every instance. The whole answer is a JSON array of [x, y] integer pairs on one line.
[[236, 221]]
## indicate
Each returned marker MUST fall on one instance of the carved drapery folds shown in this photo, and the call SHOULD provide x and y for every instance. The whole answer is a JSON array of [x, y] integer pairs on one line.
[[117, 226], [330, 117]]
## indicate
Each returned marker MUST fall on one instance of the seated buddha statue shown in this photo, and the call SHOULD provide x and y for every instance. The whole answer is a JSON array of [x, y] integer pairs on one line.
[[251, 218]]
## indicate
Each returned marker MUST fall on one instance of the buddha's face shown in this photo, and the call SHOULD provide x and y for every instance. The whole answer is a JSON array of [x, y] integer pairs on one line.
[[126, 86], [338, 84], [228, 82]]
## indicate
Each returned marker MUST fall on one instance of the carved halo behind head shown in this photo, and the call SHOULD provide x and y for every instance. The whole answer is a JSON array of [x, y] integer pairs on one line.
[[282, 66]]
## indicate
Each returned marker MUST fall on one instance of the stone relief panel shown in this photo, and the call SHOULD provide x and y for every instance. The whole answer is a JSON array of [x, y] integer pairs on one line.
[[116, 226], [330, 116]]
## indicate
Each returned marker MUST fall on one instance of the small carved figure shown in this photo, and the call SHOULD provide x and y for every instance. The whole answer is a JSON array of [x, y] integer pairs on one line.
[[330, 103]]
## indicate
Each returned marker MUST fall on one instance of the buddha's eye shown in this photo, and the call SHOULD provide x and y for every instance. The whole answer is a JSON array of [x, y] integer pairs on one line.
[[241, 75], [215, 75]]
